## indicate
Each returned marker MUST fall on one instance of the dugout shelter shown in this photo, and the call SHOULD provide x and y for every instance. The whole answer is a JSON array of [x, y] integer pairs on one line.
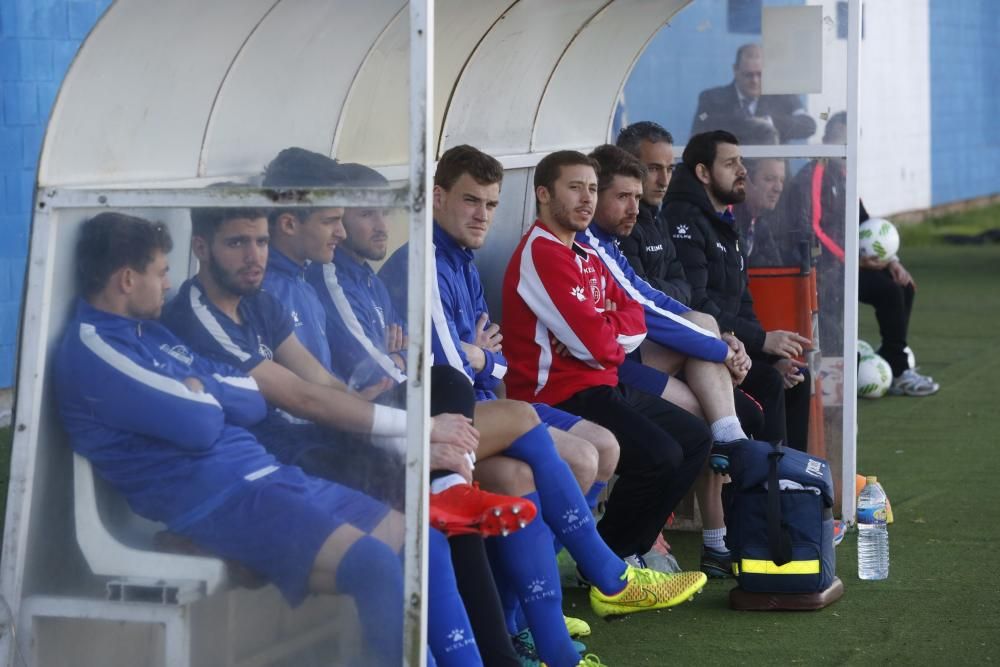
[[165, 98]]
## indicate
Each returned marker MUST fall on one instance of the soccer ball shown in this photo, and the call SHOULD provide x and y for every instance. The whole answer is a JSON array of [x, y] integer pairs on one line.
[[865, 350], [878, 239], [874, 377]]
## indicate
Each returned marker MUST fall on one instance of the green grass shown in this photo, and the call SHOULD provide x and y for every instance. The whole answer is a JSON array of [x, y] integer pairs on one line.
[[937, 459], [968, 223]]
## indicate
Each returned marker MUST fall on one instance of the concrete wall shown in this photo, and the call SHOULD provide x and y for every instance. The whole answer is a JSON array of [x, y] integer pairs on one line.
[[895, 149], [38, 40]]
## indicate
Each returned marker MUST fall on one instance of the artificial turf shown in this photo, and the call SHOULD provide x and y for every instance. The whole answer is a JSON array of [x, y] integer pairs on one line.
[[937, 458]]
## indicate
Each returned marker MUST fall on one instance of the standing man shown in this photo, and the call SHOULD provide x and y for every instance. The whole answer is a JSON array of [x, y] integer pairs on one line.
[[709, 181], [739, 106]]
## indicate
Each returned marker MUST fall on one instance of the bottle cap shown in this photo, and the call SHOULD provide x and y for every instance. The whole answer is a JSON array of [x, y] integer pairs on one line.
[[871, 479]]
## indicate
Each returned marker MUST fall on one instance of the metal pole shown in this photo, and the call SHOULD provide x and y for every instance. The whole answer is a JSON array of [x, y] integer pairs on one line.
[[418, 396], [851, 211]]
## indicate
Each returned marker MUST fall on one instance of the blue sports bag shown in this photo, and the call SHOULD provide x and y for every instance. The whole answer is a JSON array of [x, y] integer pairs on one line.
[[779, 519]]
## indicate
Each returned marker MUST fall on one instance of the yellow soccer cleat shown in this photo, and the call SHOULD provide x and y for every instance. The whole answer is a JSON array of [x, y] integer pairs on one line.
[[591, 660], [646, 590], [577, 627]]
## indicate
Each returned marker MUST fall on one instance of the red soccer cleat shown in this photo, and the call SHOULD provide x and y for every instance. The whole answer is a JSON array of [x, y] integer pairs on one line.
[[465, 508]]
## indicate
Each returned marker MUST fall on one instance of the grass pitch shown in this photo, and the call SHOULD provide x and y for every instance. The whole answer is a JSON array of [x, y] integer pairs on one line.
[[938, 461]]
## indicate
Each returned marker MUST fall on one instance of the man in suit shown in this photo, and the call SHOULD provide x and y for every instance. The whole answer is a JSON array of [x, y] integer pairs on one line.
[[739, 107]]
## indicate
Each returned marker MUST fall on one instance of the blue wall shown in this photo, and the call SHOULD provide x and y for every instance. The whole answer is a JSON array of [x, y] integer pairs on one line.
[[38, 39], [965, 99]]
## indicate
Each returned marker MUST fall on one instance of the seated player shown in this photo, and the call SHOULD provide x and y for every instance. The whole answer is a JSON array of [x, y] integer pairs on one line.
[[569, 326], [223, 314], [680, 341], [301, 238], [166, 428], [466, 193]]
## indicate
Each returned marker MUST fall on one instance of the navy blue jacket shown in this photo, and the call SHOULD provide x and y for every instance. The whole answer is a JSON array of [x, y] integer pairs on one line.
[[286, 281]]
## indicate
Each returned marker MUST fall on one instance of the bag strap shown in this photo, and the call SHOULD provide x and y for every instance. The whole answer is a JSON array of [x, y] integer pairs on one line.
[[778, 539]]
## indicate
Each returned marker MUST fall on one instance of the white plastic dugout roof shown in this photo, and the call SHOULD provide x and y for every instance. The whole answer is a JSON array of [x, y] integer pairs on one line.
[[168, 96]]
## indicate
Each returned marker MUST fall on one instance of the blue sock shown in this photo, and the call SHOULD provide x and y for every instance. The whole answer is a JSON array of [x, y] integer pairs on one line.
[[508, 595], [594, 494], [378, 598], [565, 510], [526, 561], [449, 633]]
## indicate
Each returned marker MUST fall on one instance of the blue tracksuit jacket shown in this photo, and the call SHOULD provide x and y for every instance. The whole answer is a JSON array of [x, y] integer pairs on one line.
[[286, 281], [176, 455], [357, 308], [662, 322]]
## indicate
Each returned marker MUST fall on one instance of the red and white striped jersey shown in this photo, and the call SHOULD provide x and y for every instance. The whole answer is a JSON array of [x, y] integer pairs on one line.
[[555, 294]]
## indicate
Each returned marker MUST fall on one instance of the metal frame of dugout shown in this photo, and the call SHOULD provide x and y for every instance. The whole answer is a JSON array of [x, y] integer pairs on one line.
[[158, 104]]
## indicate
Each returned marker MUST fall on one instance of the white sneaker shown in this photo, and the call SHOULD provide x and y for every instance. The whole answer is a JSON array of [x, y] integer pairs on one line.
[[912, 383]]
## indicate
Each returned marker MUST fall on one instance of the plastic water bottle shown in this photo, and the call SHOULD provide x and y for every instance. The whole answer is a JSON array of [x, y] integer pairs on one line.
[[873, 534]]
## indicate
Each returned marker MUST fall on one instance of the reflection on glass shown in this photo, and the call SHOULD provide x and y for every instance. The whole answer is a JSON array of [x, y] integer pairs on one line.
[[740, 107], [705, 71], [221, 415]]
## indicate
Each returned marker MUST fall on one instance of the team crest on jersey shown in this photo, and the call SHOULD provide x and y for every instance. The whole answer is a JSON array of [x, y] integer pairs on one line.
[[578, 293], [264, 350], [180, 353], [595, 291], [682, 232]]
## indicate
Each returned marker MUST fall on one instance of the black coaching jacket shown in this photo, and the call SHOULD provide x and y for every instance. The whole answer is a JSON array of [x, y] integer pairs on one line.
[[709, 250], [653, 257]]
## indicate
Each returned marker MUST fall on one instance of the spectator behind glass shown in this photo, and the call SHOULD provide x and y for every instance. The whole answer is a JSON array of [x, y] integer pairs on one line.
[[738, 105]]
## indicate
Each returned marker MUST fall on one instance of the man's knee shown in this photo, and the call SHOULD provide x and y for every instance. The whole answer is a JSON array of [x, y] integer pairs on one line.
[[579, 454], [604, 442], [703, 320]]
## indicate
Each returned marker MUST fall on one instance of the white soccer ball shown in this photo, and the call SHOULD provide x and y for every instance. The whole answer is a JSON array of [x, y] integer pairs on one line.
[[874, 377], [865, 350], [878, 239]]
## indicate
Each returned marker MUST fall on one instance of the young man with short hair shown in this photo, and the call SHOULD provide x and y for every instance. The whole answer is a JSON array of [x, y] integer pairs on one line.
[[569, 326], [166, 428]]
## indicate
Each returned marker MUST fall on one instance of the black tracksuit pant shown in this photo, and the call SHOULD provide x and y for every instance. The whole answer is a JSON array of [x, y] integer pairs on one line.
[[786, 412], [893, 305], [663, 449]]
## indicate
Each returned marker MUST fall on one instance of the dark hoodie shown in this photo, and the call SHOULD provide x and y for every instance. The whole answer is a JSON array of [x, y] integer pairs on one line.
[[653, 257], [708, 247]]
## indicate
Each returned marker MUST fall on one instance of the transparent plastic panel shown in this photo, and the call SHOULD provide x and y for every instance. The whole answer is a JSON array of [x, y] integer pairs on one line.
[[210, 485], [792, 227], [689, 79]]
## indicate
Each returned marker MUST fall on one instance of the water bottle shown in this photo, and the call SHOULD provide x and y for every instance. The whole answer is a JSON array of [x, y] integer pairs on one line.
[[873, 534]]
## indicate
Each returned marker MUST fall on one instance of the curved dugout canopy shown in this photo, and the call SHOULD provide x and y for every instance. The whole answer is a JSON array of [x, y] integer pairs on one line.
[[172, 91], [184, 93]]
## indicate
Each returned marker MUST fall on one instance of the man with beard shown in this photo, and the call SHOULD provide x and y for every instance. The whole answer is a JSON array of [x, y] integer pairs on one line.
[[699, 367], [697, 208], [569, 326]]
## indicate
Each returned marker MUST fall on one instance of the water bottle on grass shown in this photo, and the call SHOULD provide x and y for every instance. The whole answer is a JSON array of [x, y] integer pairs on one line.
[[873, 534]]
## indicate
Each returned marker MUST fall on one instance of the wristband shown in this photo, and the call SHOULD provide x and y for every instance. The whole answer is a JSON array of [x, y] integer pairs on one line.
[[388, 421]]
